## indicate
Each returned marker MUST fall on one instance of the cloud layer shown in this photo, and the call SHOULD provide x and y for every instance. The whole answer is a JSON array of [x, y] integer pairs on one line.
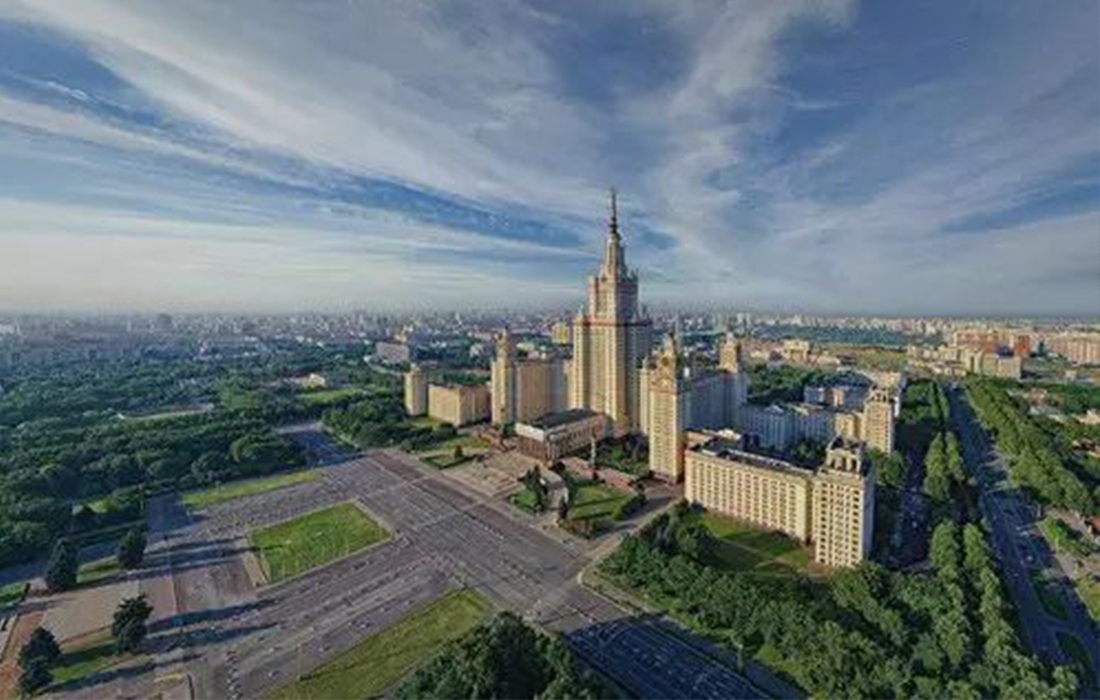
[[811, 155]]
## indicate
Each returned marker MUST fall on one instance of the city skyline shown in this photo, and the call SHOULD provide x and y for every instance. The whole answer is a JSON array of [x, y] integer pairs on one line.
[[825, 157]]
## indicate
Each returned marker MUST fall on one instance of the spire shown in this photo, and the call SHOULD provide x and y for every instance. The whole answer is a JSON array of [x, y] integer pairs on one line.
[[613, 263], [613, 227]]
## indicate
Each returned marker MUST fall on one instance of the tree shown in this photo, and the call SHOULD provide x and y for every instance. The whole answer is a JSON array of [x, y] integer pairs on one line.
[[62, 567], [128, 627], [458, 453], [40, 646], [34, 677], [131, 550]]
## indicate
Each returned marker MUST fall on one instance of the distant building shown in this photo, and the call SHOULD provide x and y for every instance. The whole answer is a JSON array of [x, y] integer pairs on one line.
[[992, 364], [561, 333], [831, 508], [458, 404], [796, 351], [553, 436], [1077, 348], [393, 353]]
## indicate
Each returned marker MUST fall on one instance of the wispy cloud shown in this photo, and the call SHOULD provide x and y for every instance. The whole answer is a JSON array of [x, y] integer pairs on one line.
[[806, 154]]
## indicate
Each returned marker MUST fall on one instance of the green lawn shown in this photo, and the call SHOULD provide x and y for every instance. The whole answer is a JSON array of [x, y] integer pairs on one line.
[[742, 547], [379, 661], [470, 444], [595, 500], [246, 487], [328, 396], [90, 657], [1049, 598], [1073, 648], [525, 500], [1089, 591], [424, 422], [314, 539], [97, 571], [12, 593]]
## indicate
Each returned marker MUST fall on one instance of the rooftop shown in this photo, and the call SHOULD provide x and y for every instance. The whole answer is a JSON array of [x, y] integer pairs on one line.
[[734, 451], [553, 420]]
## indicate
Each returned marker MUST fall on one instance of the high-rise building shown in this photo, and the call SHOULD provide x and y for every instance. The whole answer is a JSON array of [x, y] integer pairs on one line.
[[877, 426], [458, 404], [677, 395], [669, 412], [525, 388], [502, 380], [610, 339], [416, 391], [843, 506]]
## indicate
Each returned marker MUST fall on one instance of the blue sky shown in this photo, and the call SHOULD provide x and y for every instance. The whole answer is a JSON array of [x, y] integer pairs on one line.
[[822, 156]]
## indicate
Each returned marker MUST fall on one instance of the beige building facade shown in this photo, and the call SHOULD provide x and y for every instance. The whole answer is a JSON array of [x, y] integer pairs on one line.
[[610, 339], [525, 388], [677, 395], [553, 436], [458, 404], [831, 508], [416, 391]]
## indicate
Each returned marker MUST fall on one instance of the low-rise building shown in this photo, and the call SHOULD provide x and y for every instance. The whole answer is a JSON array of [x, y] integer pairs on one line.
[[553, 436], [830, 508], [393, 353]]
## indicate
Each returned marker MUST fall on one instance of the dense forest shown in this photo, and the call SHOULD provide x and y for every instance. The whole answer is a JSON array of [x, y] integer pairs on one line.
[[503, 658], [1039, 460], [866, 632], [113, 433]]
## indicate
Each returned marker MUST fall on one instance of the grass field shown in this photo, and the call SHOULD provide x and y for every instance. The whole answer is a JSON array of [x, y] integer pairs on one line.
[[246, 487], [525, 500], [96, 571], [314, 539], [1076, 651], [424, 422], [1089, 591], [12, 593], [1049, 599], [92, 656], [379, 661], [329, 396], [470, 444], [595, 500], [742, 547]]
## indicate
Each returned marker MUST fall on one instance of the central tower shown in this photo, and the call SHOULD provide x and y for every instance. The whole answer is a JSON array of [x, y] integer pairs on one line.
[[610, 338]]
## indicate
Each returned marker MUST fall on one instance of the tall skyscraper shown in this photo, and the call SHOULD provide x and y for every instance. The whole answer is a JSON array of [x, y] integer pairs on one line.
[[610, 339]]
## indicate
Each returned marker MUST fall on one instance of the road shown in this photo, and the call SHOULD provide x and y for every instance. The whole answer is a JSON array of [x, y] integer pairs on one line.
[[1019, 547], [237, 640]]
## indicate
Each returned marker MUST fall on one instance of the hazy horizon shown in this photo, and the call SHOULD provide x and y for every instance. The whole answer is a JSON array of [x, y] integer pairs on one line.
[[831, 158]]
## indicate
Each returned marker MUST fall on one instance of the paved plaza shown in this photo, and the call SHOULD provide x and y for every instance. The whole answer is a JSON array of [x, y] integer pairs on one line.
[[230, 638]]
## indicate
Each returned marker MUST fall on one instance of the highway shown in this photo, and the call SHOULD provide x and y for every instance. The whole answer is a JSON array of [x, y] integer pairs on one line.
[[1019, 547], [238, 640]]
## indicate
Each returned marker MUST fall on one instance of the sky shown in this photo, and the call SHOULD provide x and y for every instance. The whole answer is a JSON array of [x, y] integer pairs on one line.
[[821, 156]]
